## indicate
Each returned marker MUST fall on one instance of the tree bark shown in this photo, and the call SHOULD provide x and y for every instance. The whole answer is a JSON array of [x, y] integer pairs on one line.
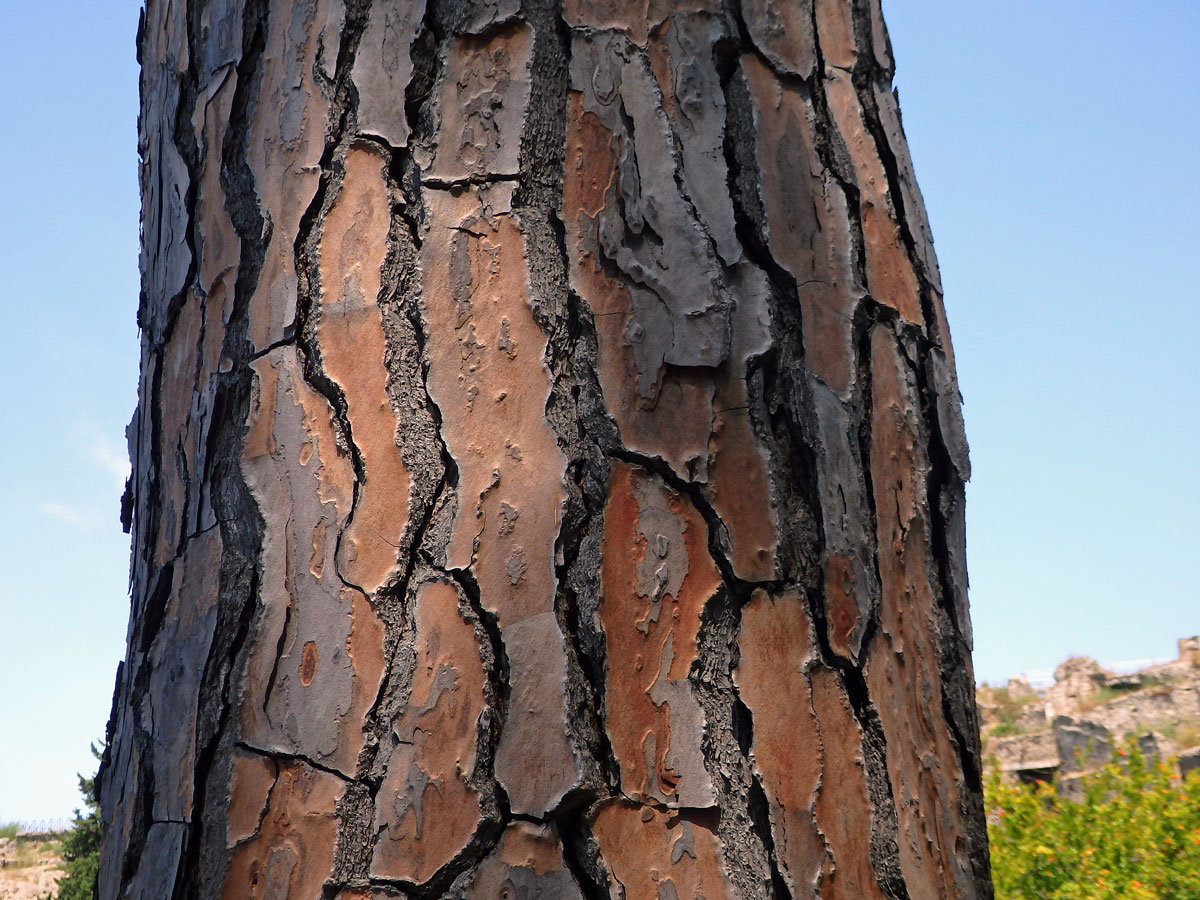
[[548, 468]]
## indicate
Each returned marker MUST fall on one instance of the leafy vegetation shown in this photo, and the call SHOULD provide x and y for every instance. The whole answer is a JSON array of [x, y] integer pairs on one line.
[[1005, 729], [1135, 835], [8, 831]]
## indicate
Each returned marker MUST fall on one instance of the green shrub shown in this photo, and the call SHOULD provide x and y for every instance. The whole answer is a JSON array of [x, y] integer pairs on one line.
[[8, 831], [81, 846], [1004, 729], [1135, 835]]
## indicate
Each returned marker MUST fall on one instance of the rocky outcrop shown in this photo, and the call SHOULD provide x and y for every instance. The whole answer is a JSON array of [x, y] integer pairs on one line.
[[1077, 682]]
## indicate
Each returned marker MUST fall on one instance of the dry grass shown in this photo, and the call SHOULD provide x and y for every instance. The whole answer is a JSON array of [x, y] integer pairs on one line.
[[29, 868], [1183, 734], [21, 852]]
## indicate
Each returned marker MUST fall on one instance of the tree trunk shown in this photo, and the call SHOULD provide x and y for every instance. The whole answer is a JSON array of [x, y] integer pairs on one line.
[[548, 469]]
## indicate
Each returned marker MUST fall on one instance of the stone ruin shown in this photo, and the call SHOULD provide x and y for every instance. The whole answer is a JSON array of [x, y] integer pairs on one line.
[[1072, 727]]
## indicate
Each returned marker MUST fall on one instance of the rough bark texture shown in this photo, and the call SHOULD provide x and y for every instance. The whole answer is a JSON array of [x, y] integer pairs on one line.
[[548, 472]]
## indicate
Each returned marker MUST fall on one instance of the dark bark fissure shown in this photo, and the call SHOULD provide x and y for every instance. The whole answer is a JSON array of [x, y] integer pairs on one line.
[[944, 485], [800, 446], [241, 524], [576, 415]]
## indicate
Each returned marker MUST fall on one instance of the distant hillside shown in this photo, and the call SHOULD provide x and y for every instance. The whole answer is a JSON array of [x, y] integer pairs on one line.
[[30, 866]]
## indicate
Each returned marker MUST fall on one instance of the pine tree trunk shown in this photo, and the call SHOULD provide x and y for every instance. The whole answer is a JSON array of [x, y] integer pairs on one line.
[[548, 469]]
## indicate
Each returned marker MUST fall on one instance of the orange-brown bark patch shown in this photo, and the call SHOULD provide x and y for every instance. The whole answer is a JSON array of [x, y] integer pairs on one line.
[[350, 332], [250, 786], [916, 220], [426, 811], [890, 275], [531, 846], [843, 809], [739, 488], [308, 663], [776, 648], [292, 854], [835, 32], [841, 603], [647, 849], [590, 164], [659, 57], [652, 600], [808, 750], [488, 376], [221, 248]]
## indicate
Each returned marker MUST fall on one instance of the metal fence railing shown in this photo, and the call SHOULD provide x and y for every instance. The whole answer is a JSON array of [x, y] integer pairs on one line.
[[43, 826]]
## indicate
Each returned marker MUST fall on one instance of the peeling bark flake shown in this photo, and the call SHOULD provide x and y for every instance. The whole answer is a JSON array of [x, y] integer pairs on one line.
[[890, 275], [493, 400], [427, 810], [176, 662], [650, 611], [483, 103], [318, 655], [527, 864], [843, 809], [383, 68], [782, 30], [807, 222], [287, 137], [352, 250], [773, 681], [656, 855], [292, 853]]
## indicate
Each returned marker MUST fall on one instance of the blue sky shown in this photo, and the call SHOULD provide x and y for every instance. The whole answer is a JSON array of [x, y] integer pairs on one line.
[[1058, 148], [1056, 143]]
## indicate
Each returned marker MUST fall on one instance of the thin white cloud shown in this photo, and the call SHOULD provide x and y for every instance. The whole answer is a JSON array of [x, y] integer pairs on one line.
[[1042, 678], [110, 456], [102, 451], [78, 516], [1039, 678], [1136, 665]]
